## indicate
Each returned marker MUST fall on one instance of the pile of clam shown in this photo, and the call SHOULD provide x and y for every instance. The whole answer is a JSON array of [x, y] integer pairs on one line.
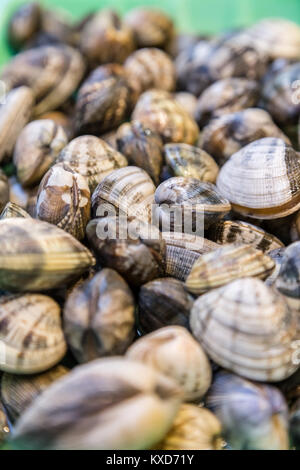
[[149, 234]]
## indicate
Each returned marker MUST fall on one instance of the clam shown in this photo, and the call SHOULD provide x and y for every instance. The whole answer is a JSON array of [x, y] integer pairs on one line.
[[35, 255], [20, 196], [277, 256], [120, 404], [238, 231], [31, 336], [187, 101], [36, 149], [288, 280], [55, 28], [110, 138], [52, 72], [142, 147], [227, 134], [19, 391], [253, 416], [92, 158], [99, 317], [174, 352], [262, 180], [224, 97], [4, 425], [181, 42], [4, 189], [15, 112], [188, 205], [105, 38], [151, 27], [226, 264], [248, 328], [280, 95], [194, 428], [161, 113], [62, 120], [188, 161], [103, 100], [163, 302], [150, 68], [136, 251], [24, 24], [64, 200], [12, 210], [128, 190]]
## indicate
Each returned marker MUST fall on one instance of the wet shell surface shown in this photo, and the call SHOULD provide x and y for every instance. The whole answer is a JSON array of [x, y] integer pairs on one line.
[[262, 180], [35, 256], [174, 352], [64, 200], [158, 110], [226, 264], [36, 149], [15, 112], [188, 205], [31, 335], [92, 158], [142, 147], [151, 28], [163, 302], [12, 210], [99, 317], [237, 231], [227, 134], [188, 161], [4, 190], [248, 328], [226, 96], [194, 428], [91, 397], [103, 100], [18, 391], [52, 72]]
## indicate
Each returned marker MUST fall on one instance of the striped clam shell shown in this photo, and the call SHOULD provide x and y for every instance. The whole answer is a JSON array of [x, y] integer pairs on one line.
[[52, 72], [92, 158], [31, 335], [15, 112], [248, 328], [226, 96], [151, 27], [36, 149], [129, 190], [35, 256], [158, 110], [237, 231], [4, 189], [288, 280], [19, 391], [12, 210], [227, 134], [226, 264], [188, 161], [262, 180]]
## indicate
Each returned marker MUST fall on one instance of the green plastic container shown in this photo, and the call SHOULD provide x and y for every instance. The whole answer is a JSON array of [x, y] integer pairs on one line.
[[207, 16]]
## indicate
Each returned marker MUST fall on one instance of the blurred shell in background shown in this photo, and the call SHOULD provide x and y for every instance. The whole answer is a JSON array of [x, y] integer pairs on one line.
[[151, 28]]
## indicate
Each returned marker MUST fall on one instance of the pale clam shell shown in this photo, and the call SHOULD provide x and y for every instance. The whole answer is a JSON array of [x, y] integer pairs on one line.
[[247, 328], [92, 158], [12, 210], [31, 334], [262, 180], [187, 101], [226, 264]]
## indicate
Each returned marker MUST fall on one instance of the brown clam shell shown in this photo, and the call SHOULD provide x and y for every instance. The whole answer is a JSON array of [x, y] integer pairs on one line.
[[151, 27], [23, 24]]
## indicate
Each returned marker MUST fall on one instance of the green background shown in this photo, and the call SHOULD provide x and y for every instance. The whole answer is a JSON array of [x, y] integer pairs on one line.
[[205, 16]]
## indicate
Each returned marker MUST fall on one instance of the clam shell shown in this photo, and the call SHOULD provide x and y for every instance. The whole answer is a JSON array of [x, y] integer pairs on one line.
[[237, 231], [92, 158], [12, 210], [288, 280], [142, 147], [187, 101], [194, 428], [19, 195], [4, 189], [247, 328], [18, 391], [121, 388], [64, 200], [226, 264], [227, 134], [151, 27], [61, 119], [36, 149], [23, 24], [262, 180], [99, 317], [35, 255], [52, 72], [174, 352], [226, 96], [15, 112], [31, 336], [162, 114], [277, 256], [188, 161]]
